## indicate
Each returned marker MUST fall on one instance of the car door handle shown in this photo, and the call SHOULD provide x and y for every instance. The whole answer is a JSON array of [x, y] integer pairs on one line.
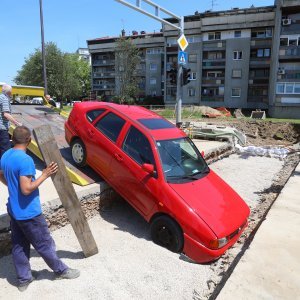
[[118, 157]]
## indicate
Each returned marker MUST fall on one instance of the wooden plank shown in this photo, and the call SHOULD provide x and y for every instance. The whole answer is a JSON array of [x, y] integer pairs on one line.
[[50, 152]]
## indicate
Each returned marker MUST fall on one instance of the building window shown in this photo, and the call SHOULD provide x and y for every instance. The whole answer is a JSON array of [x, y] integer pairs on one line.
[[237, 55], [237, 34], [261, 52], [261, 33], [153, 67], [152, 80], [193, 76], [288, 88], [236, 73], [236, 92], [193, 58], [153, 93], [191, 92], [214, 36], [284, 41], [154, 51]]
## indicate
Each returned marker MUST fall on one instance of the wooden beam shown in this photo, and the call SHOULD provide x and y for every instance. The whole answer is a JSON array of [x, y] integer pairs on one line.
[[50, 152]]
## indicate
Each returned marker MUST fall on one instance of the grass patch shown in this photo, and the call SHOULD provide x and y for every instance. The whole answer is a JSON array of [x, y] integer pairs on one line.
[[186, 113]]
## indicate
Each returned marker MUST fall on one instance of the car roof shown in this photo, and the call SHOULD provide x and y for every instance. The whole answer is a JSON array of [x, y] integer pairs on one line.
[[136, 113]]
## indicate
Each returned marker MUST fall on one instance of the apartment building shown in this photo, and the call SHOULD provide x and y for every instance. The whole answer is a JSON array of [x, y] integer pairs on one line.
[[149, 72], [241, 58]]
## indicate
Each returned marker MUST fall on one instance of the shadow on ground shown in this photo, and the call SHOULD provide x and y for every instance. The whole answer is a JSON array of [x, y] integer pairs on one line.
[[125, 218], [7, 269]]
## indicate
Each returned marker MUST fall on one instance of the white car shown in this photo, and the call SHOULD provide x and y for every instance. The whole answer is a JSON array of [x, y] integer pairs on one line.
[[37, 100]]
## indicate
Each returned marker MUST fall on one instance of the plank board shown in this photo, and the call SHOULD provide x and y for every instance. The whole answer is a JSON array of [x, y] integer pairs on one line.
[[49, 149], [37, 115]]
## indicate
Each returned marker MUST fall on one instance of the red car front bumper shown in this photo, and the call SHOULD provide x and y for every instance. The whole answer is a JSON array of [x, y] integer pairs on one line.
[[201, 254]]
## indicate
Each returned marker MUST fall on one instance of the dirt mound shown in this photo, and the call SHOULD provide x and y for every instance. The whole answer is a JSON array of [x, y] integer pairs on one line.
[[262, 133]]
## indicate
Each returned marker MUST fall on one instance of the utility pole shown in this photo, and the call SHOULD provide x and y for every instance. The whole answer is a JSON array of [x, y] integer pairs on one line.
[[180, 27], [43, 48]]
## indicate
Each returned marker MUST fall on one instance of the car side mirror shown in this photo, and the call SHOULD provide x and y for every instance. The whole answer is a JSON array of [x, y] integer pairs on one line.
[[148, 168]]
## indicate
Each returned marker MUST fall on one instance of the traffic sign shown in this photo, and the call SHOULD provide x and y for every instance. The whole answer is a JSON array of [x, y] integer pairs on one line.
[[182, 42], [182, 57]]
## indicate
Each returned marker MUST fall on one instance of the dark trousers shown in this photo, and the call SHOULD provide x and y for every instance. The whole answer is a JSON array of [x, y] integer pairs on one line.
[[35, 232], [4, 142]]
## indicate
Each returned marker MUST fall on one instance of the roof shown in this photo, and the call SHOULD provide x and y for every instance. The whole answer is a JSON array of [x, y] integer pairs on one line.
[[136, 113], [105, 39]]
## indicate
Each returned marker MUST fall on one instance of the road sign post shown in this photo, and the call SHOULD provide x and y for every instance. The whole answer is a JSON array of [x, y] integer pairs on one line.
[[182, 42]]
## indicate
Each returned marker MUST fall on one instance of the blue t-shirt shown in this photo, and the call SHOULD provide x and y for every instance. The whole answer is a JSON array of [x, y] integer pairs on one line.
[[16, 163]]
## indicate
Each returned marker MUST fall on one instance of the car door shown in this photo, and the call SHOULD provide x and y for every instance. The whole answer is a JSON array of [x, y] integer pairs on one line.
[[102, 142], [139, 187], [87, 132]]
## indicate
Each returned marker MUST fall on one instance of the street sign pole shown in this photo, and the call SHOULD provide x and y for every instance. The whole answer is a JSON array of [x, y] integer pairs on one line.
[[179, 81], [156, 15]]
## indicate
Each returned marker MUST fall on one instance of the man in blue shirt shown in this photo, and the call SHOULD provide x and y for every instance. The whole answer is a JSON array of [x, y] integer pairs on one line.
[[28, 225], [5, 118]]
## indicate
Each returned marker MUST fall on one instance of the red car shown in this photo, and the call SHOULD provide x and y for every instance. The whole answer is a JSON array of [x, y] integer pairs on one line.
[[159, 171]]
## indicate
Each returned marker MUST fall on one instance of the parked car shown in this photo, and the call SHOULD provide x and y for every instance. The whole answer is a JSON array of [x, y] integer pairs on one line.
[[37, 100], [160, 172]]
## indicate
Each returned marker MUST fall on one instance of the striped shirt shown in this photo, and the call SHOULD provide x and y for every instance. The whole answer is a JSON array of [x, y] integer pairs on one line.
[[4, 107]]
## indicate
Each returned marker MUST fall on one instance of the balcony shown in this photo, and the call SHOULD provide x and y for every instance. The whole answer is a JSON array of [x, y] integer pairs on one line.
[[289, 53], [103, 62], [212, 98], [214, 45], [104, 75], [260, 99], [290, 75], [208, 64], [106, 86], [265, 43], [208, 81]]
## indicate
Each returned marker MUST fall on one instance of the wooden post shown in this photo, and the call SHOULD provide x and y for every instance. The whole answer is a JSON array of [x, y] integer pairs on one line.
[[50, 152]]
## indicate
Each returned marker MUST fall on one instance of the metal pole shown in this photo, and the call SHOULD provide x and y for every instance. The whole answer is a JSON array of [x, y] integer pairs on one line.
[[43, 48], [179, 82]]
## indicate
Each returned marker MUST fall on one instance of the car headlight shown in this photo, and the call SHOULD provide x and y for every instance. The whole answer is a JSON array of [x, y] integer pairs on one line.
[[219, 243]]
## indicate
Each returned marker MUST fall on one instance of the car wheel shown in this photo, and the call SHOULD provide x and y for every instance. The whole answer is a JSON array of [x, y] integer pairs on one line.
[[167, 233], [78, 153]]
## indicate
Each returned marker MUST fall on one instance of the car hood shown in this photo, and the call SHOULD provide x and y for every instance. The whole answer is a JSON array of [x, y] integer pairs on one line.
[[215, 202]]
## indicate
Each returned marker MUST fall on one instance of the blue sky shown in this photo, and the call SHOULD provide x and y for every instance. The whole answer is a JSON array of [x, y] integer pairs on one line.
[[69, 23]]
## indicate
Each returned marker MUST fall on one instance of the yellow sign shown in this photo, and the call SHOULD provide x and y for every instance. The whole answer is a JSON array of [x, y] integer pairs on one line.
[[182, 42]]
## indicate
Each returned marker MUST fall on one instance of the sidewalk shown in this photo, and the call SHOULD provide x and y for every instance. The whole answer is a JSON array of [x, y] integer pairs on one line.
[[270, 268]]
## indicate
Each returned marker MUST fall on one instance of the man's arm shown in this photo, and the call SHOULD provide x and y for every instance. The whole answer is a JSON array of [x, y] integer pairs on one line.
[[27, 186], [2, 178], [10, 118]]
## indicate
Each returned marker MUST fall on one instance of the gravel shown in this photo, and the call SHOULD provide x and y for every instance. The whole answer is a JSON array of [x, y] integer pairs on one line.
[[129, 265]]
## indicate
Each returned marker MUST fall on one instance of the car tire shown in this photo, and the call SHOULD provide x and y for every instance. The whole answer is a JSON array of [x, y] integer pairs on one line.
[[78, 153], [167, 233]]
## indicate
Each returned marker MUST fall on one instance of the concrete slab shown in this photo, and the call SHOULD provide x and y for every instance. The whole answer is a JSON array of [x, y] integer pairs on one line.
[[206, 146], [270, 268]]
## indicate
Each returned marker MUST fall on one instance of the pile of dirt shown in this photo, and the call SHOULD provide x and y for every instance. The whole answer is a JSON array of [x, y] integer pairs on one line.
[[262, 133]]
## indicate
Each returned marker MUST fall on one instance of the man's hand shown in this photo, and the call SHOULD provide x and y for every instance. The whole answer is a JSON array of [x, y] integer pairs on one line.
[[50, 170]]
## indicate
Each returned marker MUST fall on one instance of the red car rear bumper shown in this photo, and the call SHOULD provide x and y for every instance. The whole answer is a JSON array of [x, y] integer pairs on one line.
[[201, 254]]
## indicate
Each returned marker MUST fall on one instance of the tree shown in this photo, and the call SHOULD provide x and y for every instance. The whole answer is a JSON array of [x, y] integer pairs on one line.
[[67, 75], [127, 60]]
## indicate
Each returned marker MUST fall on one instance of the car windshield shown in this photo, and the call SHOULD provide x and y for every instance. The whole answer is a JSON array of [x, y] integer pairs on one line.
[[181, 160]]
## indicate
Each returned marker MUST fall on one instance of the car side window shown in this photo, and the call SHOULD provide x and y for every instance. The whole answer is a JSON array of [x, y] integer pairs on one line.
[[137, 146], [111, 126], [92, 115]]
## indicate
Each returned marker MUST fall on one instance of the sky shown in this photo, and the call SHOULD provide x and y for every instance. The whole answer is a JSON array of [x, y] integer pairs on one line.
[[69, 23]]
